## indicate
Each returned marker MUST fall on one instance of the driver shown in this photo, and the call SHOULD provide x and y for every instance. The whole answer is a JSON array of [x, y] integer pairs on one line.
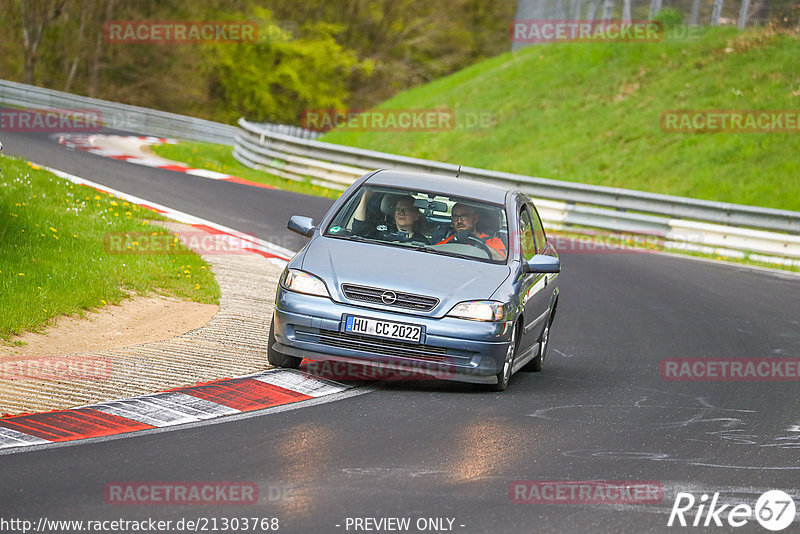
[[465, 219]]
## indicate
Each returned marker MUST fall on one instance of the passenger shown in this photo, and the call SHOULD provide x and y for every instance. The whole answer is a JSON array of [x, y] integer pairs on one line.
[[465, 220], [408, 221]]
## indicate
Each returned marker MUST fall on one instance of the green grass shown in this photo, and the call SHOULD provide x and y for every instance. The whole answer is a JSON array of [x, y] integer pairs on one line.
[[589, 112], [220, 158], [54, 261]]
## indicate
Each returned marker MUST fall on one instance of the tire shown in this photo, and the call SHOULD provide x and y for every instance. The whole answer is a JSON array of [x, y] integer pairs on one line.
[[536, 364], [276, 358], [508, 364]]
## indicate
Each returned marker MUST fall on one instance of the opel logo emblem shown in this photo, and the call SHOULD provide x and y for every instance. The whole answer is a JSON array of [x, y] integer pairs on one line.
[[388, 297]]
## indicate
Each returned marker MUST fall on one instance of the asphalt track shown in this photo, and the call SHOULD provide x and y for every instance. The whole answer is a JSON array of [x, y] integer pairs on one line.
[[599, 411]]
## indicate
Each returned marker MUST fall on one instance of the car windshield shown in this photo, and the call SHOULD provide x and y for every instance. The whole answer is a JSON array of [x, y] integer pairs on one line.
[[428, 222]]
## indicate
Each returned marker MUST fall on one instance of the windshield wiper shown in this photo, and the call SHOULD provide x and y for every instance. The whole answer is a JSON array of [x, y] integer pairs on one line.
[[431, 250]]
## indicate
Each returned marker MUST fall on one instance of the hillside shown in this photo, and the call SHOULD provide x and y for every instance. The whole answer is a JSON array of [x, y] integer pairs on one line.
[[590, 112]]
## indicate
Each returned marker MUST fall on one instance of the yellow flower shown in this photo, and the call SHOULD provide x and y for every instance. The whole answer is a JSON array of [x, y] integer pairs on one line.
[[101, 300], [53, 229], [22, 274], [113, 203], [197, 286], [116, 215], [96, 197]]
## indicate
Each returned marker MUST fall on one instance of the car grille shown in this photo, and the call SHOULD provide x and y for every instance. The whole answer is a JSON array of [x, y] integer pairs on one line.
[[403, 300], [387, 347]]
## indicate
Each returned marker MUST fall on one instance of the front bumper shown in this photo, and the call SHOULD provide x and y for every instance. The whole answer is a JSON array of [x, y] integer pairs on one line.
[[450, 349]]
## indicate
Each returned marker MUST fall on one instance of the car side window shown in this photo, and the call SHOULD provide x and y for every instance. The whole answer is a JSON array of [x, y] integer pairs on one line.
[[526, 235], [538, 230]]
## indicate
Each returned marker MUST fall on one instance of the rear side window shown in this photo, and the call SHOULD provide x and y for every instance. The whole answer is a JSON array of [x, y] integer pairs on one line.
[[538, 230], [526, 235]]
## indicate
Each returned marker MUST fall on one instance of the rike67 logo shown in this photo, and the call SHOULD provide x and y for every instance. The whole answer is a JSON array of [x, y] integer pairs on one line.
[[774, 510]]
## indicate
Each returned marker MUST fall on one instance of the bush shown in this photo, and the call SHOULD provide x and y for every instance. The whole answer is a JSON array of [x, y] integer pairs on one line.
[[669, 17]]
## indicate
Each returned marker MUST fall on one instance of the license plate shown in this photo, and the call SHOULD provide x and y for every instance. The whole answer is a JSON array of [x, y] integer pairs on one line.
[[387, 329]]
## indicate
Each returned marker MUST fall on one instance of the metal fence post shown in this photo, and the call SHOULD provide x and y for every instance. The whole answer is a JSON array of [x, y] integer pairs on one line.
[[716, 12], [743, 14], [608, 8], [695, 13]]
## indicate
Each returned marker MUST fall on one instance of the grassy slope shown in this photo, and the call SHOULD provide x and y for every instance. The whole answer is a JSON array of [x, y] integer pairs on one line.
[[53, 257], [590, 113]]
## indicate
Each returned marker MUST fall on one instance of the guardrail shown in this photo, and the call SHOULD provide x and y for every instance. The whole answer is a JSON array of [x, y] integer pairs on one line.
[[764, 234], [118, 116], [684, 223], [133, 118]]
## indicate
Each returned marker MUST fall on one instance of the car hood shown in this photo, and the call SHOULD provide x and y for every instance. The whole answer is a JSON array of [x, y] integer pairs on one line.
[[450, 279]]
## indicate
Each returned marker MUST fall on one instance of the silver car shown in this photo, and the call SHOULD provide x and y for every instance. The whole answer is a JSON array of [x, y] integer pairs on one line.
[[452, 278]]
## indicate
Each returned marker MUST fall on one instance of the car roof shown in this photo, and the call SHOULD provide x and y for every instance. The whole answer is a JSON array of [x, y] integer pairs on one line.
[[448, 185]]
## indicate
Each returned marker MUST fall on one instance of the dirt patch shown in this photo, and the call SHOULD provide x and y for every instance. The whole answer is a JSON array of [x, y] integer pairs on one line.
[[140, 320]]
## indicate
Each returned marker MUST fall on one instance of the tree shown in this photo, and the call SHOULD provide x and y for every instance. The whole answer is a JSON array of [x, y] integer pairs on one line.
[[277, 81], [35, 16]]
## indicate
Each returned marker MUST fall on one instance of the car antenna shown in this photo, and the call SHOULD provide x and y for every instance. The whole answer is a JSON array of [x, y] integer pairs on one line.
[[458, 173]]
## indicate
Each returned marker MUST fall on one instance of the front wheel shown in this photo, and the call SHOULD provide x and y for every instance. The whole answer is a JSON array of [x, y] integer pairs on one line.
[[508, 363], [276, 358]]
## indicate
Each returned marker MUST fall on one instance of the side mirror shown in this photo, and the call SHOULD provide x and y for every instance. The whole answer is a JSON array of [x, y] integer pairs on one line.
[[542, 263], [301, 225]]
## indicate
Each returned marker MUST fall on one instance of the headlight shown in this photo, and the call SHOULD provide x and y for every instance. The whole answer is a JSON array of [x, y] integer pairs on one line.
[[301, 282], [479, 310]]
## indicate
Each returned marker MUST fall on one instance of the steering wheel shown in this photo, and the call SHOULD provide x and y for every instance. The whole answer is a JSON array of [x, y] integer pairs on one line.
[[470, 239]]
